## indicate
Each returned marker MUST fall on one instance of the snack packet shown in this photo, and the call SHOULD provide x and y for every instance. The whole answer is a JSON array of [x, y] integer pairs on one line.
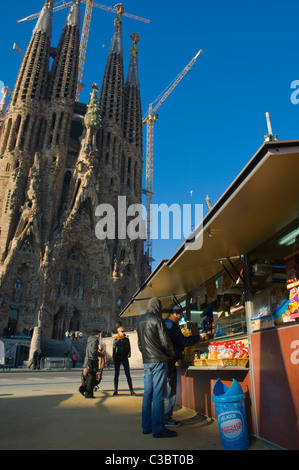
[[229, 351], [212, 351]]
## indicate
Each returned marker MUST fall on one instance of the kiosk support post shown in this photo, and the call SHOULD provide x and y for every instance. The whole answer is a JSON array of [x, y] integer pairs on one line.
[[249, 314]]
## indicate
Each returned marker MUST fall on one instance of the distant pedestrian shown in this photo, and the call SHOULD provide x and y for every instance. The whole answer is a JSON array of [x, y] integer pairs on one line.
[[34, 360], [39, 358], [74, 359]]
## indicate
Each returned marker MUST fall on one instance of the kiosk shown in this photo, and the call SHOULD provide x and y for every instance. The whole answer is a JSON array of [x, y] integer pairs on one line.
[[241, 264]]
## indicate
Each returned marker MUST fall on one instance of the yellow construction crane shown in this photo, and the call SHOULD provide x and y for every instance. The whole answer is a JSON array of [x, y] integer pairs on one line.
[[118, 9], [150, 119]]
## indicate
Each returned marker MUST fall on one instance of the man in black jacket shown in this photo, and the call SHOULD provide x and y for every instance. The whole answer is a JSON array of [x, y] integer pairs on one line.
[[157, 350], [121, 353]]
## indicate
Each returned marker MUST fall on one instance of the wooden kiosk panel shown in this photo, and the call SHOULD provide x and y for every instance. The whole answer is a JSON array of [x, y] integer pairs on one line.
[[195, 390], [275, 357]]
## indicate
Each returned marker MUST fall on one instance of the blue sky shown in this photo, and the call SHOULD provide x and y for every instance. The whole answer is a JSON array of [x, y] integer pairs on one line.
[[213, 122]]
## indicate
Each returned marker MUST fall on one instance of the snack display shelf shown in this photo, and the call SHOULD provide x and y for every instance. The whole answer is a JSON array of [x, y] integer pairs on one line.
[[218, 368]]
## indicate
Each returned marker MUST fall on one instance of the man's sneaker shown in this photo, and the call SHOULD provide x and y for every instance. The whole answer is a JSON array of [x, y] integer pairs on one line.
[[172, 422], [165, 433]]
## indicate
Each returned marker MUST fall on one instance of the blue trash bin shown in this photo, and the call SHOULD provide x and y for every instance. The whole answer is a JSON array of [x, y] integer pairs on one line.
[[231, 415]]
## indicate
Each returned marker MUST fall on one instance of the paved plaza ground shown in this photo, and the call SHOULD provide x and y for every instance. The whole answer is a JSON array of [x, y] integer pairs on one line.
[[42, 410]]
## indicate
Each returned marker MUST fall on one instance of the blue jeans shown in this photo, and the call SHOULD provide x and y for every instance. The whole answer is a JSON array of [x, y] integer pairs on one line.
[[170, 399], [155, 383]]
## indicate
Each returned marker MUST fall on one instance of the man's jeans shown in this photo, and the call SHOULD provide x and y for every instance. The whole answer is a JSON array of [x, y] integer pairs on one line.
[[155, 383], [170, 399]]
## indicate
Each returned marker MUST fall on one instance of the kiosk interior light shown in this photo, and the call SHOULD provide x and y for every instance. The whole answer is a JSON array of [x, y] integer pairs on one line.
[[290, 238]]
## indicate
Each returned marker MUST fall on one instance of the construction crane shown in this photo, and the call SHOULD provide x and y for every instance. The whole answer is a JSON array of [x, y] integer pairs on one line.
[[150, 119], [118, 9]]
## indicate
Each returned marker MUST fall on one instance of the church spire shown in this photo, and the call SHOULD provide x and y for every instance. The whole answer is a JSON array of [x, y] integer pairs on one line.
[[133, 76], [20, 130], [44, 22], [133, 127], [64, 72], [74, 16], [31, 81], [92, 119], [112, 91], [116, 43], [58, 113]]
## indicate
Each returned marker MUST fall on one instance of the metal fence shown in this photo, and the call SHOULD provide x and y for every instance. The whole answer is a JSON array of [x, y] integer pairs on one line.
[[49, 363]]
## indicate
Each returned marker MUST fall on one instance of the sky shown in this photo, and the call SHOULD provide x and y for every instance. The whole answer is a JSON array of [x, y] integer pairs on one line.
[[213, 122]]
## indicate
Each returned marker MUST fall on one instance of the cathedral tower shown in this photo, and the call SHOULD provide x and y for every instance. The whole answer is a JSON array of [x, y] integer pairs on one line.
[[132, 175], [110, 136], [58, 113], [20, 130], [54, 266]]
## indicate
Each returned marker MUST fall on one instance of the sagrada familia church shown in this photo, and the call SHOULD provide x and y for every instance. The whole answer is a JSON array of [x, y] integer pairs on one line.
[[59, 160]]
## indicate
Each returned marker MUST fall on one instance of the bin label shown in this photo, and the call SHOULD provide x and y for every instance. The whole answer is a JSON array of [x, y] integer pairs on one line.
[[231, 424]]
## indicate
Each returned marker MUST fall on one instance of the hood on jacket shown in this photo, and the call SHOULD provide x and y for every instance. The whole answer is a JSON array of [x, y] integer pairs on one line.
[[92, 339], [154, 305]]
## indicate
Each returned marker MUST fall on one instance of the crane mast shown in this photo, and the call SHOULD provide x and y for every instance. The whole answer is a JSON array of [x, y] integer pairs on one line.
[[149, 120], [83, 45]]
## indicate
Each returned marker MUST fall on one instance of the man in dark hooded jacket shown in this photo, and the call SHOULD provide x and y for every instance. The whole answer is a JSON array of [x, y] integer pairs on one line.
[[157, 350], [90, 365]]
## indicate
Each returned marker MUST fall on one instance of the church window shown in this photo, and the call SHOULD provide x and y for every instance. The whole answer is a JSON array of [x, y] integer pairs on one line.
[[60, 120], [122, 172], [24, 131], [53, 121], [15, 132], [108, 140], [9, 124], [7, 201]]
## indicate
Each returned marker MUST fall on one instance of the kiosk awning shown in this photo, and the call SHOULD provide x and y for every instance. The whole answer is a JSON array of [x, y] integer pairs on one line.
[[261, 202]]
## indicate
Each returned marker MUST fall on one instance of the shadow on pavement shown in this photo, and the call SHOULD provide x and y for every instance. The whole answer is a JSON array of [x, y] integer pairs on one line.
[[72, 422]]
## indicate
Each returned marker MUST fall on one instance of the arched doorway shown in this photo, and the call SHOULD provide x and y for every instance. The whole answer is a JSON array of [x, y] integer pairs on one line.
[[75, 321], [12, 322], [59, 327]]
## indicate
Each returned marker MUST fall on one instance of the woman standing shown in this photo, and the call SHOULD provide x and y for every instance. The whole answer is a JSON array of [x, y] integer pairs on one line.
[[121, 354]]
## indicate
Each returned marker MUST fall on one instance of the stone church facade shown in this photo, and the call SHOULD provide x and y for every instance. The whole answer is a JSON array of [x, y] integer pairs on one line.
[[60, 160]]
